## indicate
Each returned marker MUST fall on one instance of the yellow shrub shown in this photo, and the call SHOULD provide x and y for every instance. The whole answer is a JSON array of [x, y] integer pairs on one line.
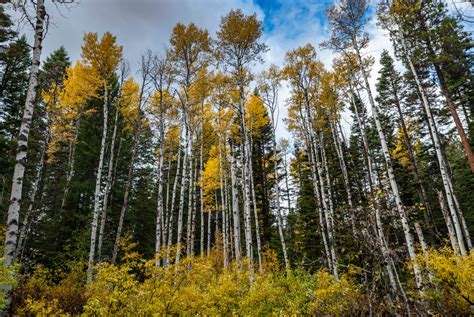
[[39, 294], [201, 286], [452, 288], [334, 297]]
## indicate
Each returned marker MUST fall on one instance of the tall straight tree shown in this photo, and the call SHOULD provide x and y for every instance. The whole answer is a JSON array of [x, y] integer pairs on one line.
[[239, 46], [268, 88], [392, 24], [347, 23], [22, 147], [161, 106], [124, 72], [133, 108], [189, 55], [103, 56]]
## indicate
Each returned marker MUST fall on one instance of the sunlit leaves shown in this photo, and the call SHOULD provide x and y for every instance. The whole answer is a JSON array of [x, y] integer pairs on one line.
[[104, 55], [65, 103], [129, 105]]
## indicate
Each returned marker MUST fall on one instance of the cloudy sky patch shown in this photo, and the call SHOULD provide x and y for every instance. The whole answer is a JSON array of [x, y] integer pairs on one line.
[[146, 24]]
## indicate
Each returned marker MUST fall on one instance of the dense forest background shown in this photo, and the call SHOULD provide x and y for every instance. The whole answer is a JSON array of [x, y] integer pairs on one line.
[[167, 190]]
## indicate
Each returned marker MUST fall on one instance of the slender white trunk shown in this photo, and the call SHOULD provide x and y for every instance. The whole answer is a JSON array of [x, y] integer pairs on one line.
[[184, 181], [465, 228], [166, 207], [189, 240], [246, 196], [449, 222], [345, 176], [391, 175], [97, 193], [317, 192], [319, 182], [70, 166], [223, 203], [128, 187], [201, 192], [171, 208], [330, 211], [32, 197], [437, 145], [159, 232], [390, 266], [254, 205], [22, 147], [277, 204], [235, 205], [108, 185], [209, 218]]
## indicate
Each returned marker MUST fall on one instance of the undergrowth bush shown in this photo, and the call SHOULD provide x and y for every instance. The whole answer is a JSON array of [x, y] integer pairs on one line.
[[202, 286], [196, 285]]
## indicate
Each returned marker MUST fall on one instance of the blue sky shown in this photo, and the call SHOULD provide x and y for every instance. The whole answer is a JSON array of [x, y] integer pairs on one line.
[[296, 12]]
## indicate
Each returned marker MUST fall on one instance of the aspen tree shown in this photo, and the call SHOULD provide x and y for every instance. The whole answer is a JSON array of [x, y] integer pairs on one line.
[[269, 85], [347, 22], [124, 72], [103, 56], [13, 216], [189, 55], [239, 46], [391, 24], [139, 95]]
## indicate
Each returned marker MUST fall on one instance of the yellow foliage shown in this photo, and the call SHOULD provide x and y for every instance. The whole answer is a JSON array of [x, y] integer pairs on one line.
[[256, 115], [334, 297], [401, 7], [211, 178], [39, 295], [400, 151], [103, 55], [129, 103], [202, 286], [65, 103], [452, 289]]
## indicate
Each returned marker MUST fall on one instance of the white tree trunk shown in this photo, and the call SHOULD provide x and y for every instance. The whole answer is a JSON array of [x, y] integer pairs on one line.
[[159, 232], [390, 266], [70, 166], [330, 210], [449, 222], [97, 193], [201, 192], [345, 176], [184, 181], [22, 148], [223, 202], [189, 224], [235, 206], [246, 197], [171, 208], [393, 183], [277, 204], [254, 205], [128, 186], [166, 206], [108, 185], [32, 197], [437, 145]]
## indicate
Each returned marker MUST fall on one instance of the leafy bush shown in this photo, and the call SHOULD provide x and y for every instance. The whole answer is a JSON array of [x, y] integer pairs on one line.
[[197, 285], [8, 275], [39, 294], [451, 289], [8, 279]]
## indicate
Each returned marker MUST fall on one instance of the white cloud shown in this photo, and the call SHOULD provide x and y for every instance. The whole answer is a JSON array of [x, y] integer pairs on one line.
[[147, 24]]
